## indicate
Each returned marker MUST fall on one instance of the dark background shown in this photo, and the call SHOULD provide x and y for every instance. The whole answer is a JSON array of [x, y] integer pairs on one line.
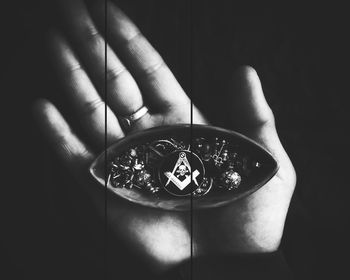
[[299, 53]]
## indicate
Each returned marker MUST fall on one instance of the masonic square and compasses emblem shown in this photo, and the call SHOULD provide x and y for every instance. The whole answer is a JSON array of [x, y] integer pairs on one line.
[[181, 173]]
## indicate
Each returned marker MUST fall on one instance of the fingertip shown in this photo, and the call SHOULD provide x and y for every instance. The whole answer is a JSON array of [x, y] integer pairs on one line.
[[247, 79], [54, 40], [246, 71], [40, 107], [44, 108], [48, 117], [57, 43]]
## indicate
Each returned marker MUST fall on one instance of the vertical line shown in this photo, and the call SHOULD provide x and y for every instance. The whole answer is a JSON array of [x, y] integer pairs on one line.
[[105, 146], [191, 126]]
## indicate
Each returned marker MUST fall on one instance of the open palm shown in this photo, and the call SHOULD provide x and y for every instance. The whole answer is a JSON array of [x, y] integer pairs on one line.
[[252, 224]]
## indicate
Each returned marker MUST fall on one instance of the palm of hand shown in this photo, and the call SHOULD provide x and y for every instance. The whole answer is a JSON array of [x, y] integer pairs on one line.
[[250, 225]]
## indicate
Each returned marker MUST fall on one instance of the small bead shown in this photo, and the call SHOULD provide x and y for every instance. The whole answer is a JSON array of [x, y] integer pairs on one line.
[[230, 179]]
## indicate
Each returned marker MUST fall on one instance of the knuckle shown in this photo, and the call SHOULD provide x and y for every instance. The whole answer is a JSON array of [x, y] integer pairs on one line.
[[150, 60], [267, 119], [92, 106], [115, 73], [67, 150], [72, 154], [135, 37], [91, 35], [154, 68], [76, 67]]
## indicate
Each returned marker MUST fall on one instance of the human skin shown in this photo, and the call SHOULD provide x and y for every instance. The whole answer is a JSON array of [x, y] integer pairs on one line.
[[137, 76]]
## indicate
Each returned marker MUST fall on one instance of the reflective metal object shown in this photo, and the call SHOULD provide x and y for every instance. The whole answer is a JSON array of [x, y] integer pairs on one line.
[[183, 166], [127, 121]]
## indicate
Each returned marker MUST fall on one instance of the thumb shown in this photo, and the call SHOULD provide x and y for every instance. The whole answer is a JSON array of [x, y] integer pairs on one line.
[[252, 116], [250, 113], [250, 108]]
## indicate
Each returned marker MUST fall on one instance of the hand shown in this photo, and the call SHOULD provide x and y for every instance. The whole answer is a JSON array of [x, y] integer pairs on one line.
[[253, 224]]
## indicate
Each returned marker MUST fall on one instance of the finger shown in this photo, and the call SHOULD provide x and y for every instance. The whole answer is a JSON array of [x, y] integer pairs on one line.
[[123, 94], [252, 115], [155, 79], [251, 109], [250, 112], [82, 94], [73, 152]]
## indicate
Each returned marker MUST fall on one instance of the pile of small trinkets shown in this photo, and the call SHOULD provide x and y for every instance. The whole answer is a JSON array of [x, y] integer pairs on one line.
[[129, 170], [137, 167]]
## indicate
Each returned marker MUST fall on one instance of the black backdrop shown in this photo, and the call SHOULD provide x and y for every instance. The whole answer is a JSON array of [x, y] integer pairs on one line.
[[300, 55]]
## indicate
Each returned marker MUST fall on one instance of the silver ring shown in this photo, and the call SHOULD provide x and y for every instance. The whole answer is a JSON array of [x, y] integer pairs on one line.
[[128, 121]]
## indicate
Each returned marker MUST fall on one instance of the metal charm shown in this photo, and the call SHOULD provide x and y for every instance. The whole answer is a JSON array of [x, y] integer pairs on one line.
[[178, 176]]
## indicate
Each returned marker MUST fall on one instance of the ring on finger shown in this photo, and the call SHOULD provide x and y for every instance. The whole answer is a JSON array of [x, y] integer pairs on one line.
[[128, 121]]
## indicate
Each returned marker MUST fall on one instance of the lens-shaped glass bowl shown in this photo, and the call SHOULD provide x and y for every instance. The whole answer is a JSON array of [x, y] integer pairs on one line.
[[183, 167]]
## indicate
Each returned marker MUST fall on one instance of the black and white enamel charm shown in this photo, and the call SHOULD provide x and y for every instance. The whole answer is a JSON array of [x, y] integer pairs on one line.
[[181, 173]]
